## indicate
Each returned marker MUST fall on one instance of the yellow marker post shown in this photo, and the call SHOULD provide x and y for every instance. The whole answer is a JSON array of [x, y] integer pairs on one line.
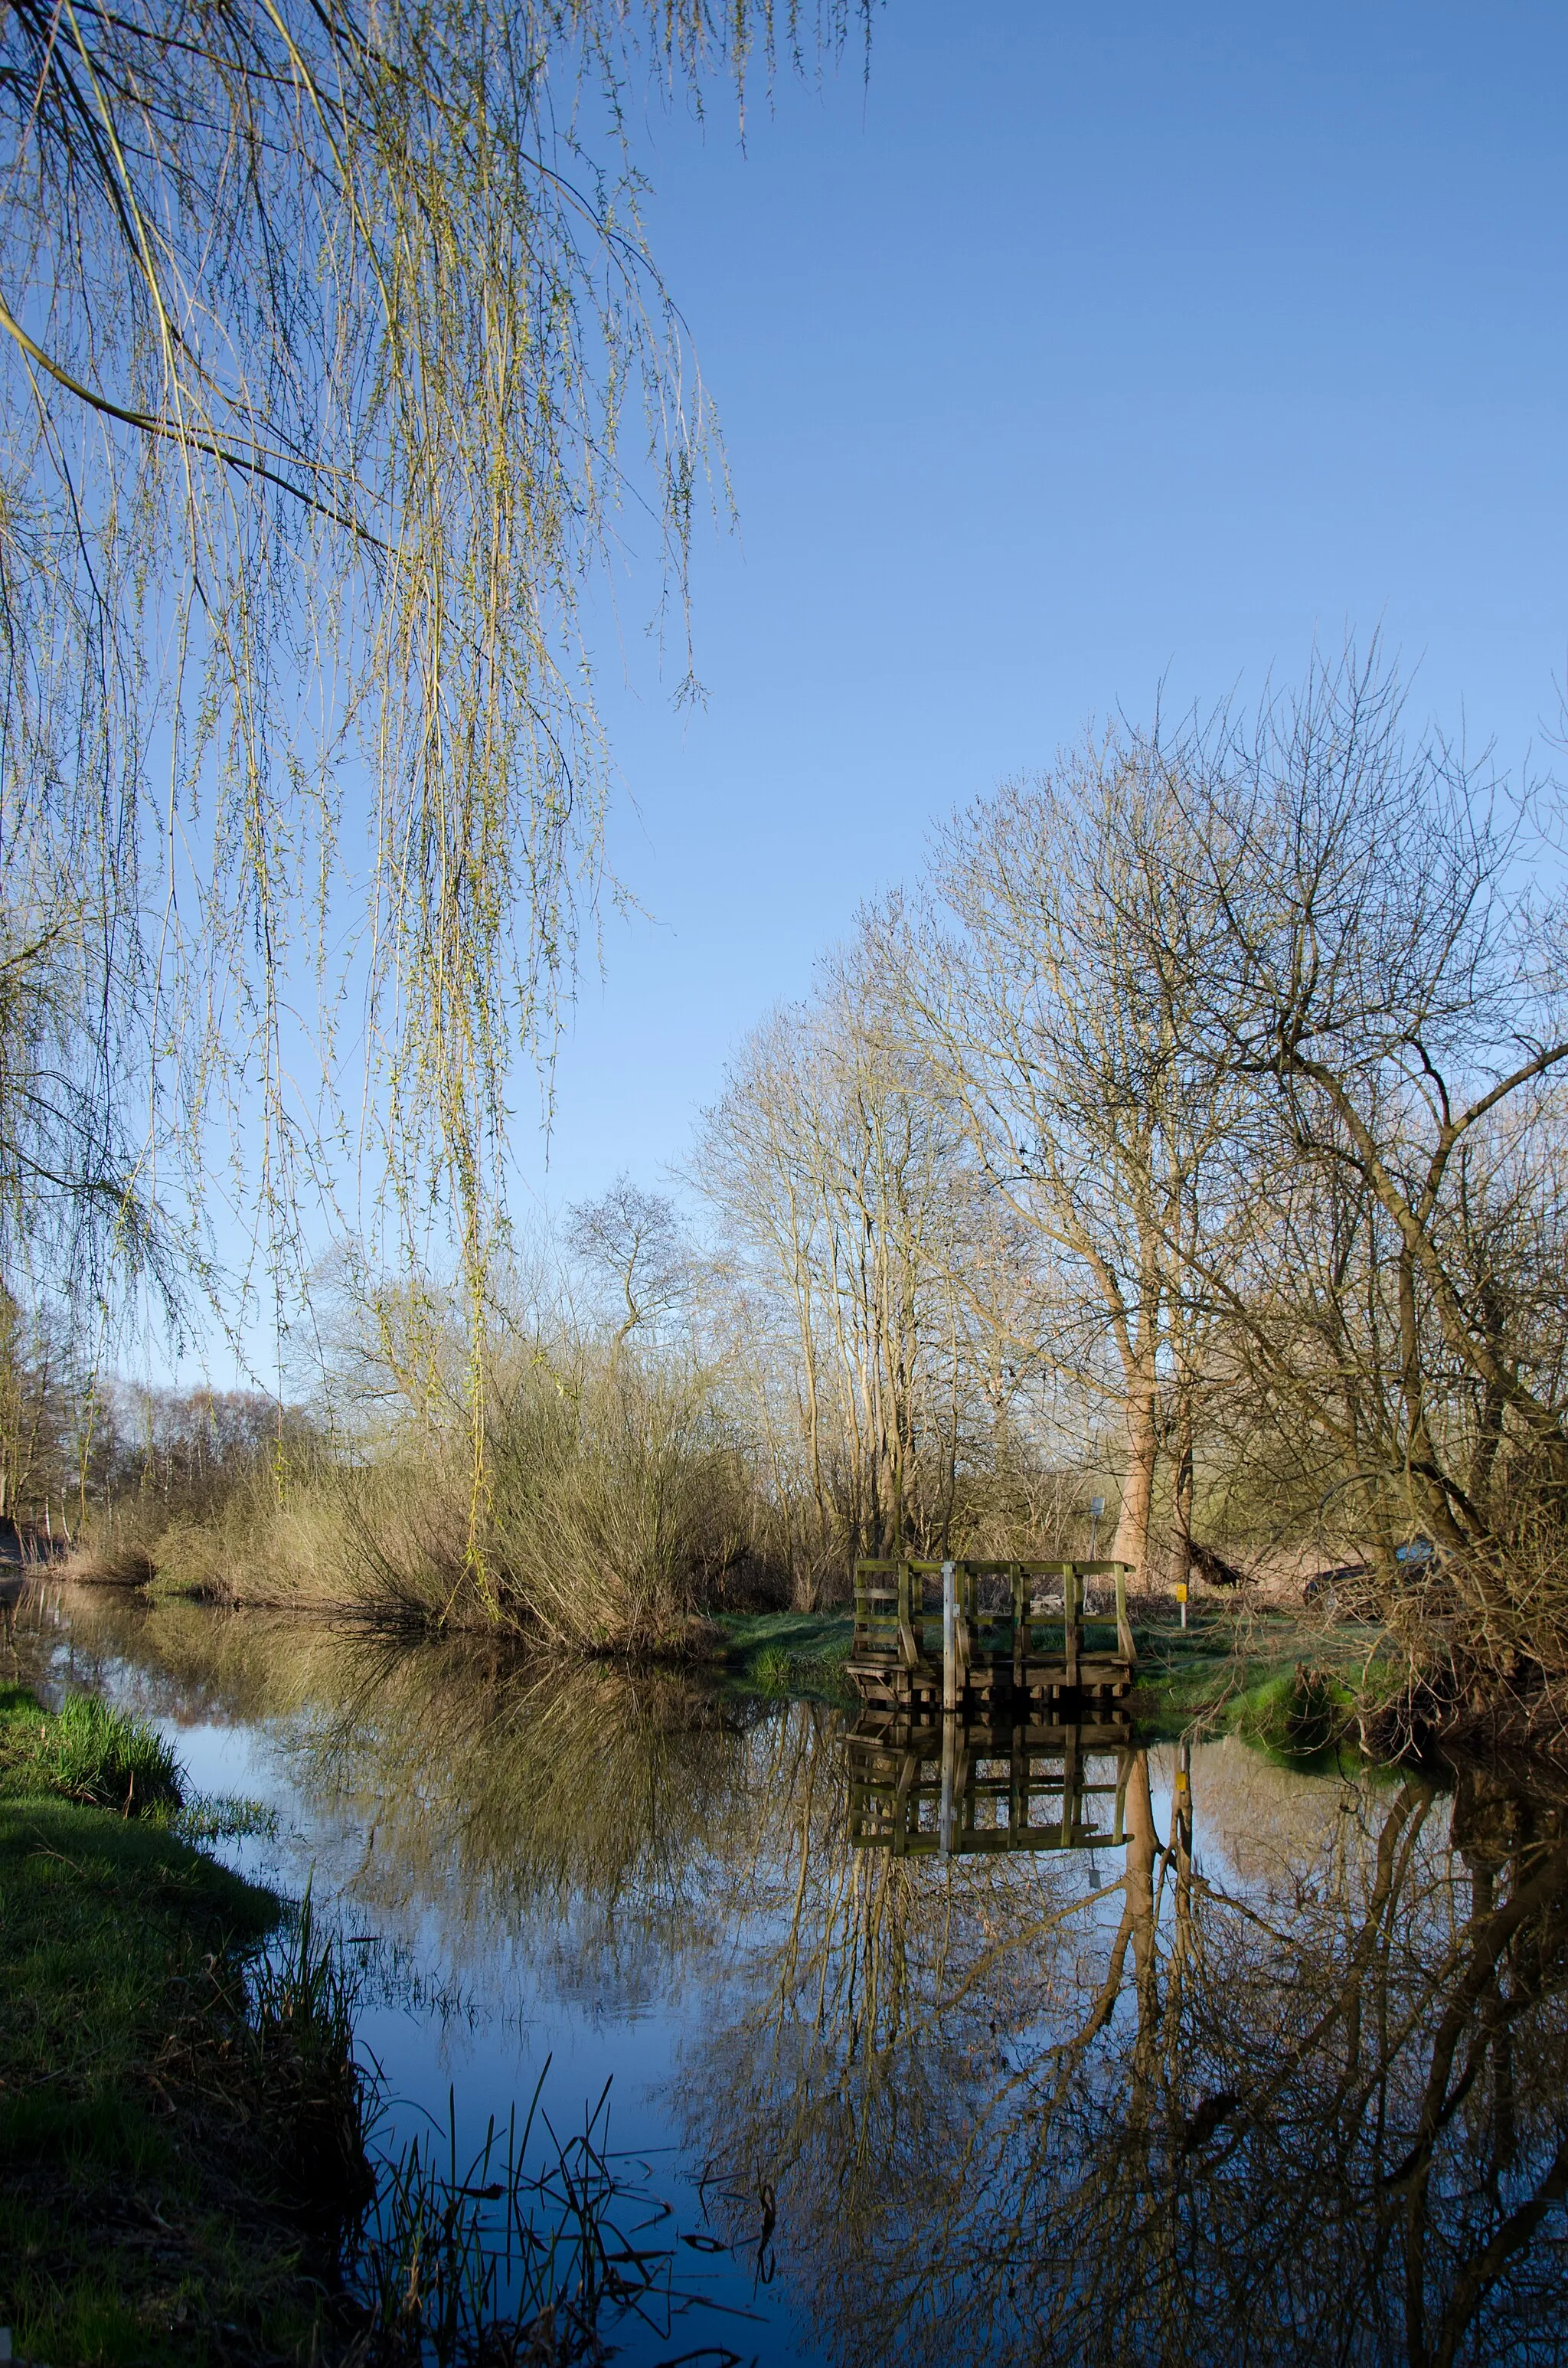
[[1181, 1598]]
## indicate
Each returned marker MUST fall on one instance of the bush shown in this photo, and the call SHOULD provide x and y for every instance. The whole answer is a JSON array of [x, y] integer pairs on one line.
[[614, 1507], [618, 1499], [1297, 1713]]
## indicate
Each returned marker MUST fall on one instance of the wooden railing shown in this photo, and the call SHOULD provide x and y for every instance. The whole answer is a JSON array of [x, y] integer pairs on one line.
[[894, 1617]]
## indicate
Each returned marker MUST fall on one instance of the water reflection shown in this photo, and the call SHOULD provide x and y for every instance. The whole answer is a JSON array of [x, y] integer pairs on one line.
[[1316, 2115], [955, 1785], [1216, 2061]]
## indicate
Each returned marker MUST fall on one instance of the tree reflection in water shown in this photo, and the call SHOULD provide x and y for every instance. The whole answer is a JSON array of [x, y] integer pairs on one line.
[[1312, 2111], [1284, 2079]]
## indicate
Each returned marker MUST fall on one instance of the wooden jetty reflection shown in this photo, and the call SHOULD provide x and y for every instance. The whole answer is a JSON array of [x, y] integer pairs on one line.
[[946, 1786], [976, 1635]]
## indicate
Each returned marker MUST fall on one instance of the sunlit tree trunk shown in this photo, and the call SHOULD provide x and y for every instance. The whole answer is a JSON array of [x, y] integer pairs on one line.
[[1131, 1542]]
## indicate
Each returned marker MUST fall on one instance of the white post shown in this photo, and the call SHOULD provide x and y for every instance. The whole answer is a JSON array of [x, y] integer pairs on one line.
[[950, 1641], [949, 1755]]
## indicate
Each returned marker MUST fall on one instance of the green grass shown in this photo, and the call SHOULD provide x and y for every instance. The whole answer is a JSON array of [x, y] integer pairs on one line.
[[87, 1752], [153, 2091], [1218, 1672], [1284, 1685], [781, 1654]]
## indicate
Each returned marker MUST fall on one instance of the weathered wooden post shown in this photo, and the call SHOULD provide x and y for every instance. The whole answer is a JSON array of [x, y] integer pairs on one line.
[[1124, 1644], [1123, 1770], [1070, 1606], [1020, 1624], [949, 1754], [950, 1646]]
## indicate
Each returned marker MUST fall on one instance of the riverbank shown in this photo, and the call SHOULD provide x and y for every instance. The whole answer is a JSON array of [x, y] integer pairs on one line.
[[1291, 1679], [1287, 1681], [178, 2136]]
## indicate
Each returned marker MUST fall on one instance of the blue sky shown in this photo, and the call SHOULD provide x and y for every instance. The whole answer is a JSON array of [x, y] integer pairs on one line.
[[1076, 352], [1079, 350]]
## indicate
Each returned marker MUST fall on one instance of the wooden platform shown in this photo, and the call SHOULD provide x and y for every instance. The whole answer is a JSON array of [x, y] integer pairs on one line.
[[1017, 1638], [947, 1787]]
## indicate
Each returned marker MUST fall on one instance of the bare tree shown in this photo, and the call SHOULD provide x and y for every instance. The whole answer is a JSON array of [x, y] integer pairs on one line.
[[849, 1204], [631, 1240], [1379, 974], [1025, 976]]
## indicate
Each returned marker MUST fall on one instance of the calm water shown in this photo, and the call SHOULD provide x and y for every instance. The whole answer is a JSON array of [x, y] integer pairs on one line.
[[1275, 2069]]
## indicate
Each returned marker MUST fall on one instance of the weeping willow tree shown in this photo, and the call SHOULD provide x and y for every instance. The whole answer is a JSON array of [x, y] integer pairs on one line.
[[336, 367]]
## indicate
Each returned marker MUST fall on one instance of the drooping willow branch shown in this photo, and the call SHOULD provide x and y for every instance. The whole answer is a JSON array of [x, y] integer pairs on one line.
[[296, 684]]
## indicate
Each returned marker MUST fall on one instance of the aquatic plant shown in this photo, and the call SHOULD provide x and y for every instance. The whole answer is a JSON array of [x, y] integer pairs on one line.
[[498, 2261], [321, 2103], [224, 1817]]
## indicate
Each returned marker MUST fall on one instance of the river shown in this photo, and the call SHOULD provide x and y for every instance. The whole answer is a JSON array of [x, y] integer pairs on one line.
[[1267, 2064]]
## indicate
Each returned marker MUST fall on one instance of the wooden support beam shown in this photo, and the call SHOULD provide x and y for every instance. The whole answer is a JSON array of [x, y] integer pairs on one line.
[[1123, 1625], [909, 1650], [1020, 1586]]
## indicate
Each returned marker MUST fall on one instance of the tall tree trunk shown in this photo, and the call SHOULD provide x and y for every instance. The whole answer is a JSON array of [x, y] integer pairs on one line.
[[1131, 1542], [1183, 1571]]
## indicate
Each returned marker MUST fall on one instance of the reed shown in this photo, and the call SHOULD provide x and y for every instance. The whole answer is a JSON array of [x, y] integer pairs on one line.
[[117, 1554], [494, 2260], [319, 2100]]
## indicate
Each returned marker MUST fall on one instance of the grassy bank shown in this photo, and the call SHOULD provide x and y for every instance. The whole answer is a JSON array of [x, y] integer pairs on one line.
[[786, 1653], [1288, 1683], [1265, 1675], [179, 2140]]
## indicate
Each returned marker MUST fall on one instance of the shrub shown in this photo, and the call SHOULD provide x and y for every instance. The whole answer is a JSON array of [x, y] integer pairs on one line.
[[617, 1497]]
